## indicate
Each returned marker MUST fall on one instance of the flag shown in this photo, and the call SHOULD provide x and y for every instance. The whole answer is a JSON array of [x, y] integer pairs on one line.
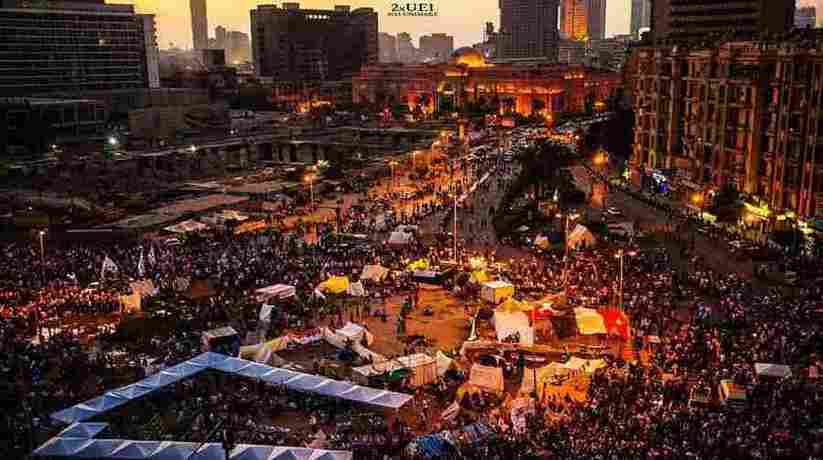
[[108, 266], [141, 265], [617, 323], [152, 258]]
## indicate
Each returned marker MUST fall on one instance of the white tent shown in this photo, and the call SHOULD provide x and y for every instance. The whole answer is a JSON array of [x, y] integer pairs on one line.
[[277, 291], [772, 370], [507, 323], [351, 331], [356, 290], [625, 229], [543, 375], [589, 321], [374, 273], [496, 291], [400, 238], [187, 226], [423, 368], [580, 237]]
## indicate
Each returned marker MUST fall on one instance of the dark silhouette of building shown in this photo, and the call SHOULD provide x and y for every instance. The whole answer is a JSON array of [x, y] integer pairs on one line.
[[291, 43], [436, 47], [74, 47], [689, 20], [528, 29]]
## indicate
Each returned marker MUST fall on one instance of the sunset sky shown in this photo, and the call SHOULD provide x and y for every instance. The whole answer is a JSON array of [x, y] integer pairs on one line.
[[462, 18]]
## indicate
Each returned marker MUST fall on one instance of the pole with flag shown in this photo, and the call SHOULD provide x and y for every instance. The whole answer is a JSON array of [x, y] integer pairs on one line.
[[141, 265]]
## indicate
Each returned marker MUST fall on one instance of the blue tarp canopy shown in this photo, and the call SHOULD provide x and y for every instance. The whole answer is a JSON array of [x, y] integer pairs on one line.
[[106, 402], [136, 450], [76, 413], [61, 447], [133, 391], [250, 452], [208, 359], [211, 451], [175, 451], [82, 430], [231, 365], [99, 448]]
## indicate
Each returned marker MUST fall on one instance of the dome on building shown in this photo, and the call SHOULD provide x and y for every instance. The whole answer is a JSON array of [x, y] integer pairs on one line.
[[469, 56]]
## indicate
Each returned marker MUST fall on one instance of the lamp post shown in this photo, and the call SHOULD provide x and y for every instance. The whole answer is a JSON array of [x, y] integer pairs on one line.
[[392, 165], [620, 255], [41, 234], [310, 179], [569, 216]]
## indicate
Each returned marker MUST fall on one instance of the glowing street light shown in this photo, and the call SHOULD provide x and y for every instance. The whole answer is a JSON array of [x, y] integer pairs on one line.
[[310, 180], [192, 148], [113, 141]]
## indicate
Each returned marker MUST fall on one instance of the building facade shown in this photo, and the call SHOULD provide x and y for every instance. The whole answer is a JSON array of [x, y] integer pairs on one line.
[[528, 29], [744, 115], [199, 24], [75, 48], [291, 43], [387, 46], [436, 47], [406, 52], [805, 17], [641, 17], [583, 19], [690, 20], [469, 78]]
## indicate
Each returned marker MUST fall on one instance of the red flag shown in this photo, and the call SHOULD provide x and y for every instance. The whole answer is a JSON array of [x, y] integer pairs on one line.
[[617, 323]]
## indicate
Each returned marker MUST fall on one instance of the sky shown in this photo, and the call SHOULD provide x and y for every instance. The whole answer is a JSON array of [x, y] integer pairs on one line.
[[463, 19]]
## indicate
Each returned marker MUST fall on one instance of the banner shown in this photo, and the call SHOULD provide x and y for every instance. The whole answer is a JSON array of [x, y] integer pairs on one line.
[[490, 378]]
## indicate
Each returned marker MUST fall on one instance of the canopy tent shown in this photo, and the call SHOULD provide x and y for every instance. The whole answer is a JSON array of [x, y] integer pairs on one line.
[[508, 323], [589, 321], [544, 375], [98, 448], [187, 226], [400, 238], [423, 368], [334, 285], [513, 306], [419, 264], [431, 446], [487, 377], [625, 229], [772, 370], [61, 447], [356, 290], [76, 413], [136, 449], [406, 228], [479, 277], [444, 363], [496, 291], [374, 273], [352, 331], [585, 365], [580, 237], [82, 430], [277, 291]]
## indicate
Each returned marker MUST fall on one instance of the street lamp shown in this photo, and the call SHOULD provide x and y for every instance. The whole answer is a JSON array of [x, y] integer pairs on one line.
[[620, 255], [113, 141], [310, 179], [41, 234], [699, 200], [392, 164], [192, 148]]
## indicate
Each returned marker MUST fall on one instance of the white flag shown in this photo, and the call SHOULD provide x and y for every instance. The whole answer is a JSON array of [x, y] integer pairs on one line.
[[152, 258], [141, 265], [108, 266]]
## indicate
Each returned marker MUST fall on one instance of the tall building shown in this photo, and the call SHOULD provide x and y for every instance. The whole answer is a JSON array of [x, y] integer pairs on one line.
[[406, 52], [641, 16], [237, 47], [805, 17], [199, 24], [740, 114], [689, 20], [583, 19], [73, 47], [221, 37], [437, 47], [528, 29], [387, 46], [291, 43]]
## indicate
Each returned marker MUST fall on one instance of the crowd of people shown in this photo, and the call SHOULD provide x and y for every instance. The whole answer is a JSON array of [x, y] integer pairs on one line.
[[711, 327]]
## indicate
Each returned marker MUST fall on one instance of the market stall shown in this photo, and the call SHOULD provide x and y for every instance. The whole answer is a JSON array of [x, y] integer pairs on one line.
[[496, 291]]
